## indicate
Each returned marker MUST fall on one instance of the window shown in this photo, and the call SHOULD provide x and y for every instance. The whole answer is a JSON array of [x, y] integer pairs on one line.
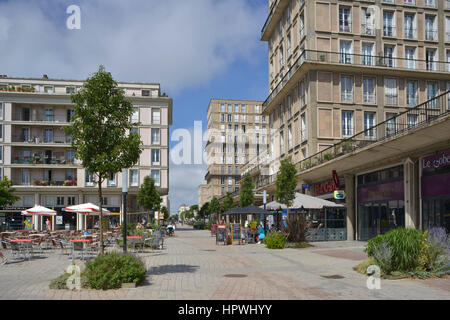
[[155, 136], [302, 26], [156, 116], [347, 123], [289, 45], [369, 123], [346, 52], [389, 56], [367, 54], [1, 111], [70, 156], [134, 181], [369, 90], [48, 89], [48, 114], [430, 28], [388, 24], [135, 116], [59, 201], [430, 57], [243, 108], [70, 175], [26, 134], [222, 118], [391, 124], [1, 131], [230, 119], [288, 15], [25, 177], [236, 108], [236, 118], [257, 109], [390, 90], [71, 201], [302, 93], [345, 19], [156, 157], [70, 90], [303, 128], [70, 114], [411, 93], [290, 143], [448, 60], [281, 57], [410, 56], [280, 28], [289, 106], [145, 93], [281, 142], [229, 108], [346, 89], [367, 27], [447, 26], [104, 201], [432, 92], [230, 181], [156, 177], [1, 154], [48, 135], [88, 179], [410, 1], [222, 108], [430, 3], [412, 120], [410, 26], [256, 119]]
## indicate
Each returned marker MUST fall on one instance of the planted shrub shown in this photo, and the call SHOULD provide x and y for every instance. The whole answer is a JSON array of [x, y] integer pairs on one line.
[[407, 248], [438, 250], [200, 225], [110, 270], [275, 240]]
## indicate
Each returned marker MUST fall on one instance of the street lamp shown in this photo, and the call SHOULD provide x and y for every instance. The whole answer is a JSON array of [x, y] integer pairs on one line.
[[124, 192]]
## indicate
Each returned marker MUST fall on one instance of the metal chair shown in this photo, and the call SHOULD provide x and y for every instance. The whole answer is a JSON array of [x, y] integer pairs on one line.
[[78, 246]]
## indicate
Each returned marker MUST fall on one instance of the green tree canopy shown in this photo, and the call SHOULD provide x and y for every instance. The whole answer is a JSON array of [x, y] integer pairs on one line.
[[246, 195], [286, 182], [204, 211], [101, 130], [166, 213], [7, 197], [148, 196], [228, 203]]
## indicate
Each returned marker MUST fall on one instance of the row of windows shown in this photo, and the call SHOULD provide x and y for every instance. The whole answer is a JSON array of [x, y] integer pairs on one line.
[[237, 108], [156, 116], [243, 118]]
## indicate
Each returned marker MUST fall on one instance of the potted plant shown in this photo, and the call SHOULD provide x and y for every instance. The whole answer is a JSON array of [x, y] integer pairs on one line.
[[36, 183], [322, 57], [328, 156]]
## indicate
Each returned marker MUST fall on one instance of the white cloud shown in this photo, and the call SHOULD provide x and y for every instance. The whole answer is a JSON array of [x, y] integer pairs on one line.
[[184, 181], [179, 44]]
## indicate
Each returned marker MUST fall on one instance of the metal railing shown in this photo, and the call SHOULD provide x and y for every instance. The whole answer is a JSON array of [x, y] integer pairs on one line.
[[356, 60], [272, 11], [410, 119]]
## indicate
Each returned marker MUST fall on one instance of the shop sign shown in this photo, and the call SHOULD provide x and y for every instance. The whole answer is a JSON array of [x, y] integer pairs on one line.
[[438, 161], [326, 187], [340, 195]]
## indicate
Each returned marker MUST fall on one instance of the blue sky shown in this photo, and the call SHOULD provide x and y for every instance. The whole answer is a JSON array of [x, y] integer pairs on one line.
[[196, 49]]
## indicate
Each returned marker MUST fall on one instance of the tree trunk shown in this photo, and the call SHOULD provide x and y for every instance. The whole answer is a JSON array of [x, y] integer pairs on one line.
[[100, 205]]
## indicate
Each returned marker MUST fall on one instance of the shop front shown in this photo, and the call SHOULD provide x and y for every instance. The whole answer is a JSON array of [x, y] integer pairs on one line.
[[435, 191], [380, 202]]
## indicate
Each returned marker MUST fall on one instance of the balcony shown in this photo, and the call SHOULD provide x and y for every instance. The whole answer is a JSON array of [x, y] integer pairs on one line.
[[40, 140], [46, 183], [411, 119], [40, 159], [335, 58]]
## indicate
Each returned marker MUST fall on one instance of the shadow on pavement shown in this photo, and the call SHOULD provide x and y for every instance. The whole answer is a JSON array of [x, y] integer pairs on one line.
[[173, 268]]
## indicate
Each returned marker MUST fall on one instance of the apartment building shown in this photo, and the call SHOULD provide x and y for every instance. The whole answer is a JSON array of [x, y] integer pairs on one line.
[[237, 131], [339, 67], [36, 154]]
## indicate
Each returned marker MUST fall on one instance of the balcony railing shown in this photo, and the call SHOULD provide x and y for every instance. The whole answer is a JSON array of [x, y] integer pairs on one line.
[[40, 159], [327, 57], [272, 11], [46, 183], [411, 119], [58, 139]]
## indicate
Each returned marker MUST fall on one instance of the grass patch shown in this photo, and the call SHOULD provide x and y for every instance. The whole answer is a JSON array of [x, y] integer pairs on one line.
[[298, 245], [60, 283]]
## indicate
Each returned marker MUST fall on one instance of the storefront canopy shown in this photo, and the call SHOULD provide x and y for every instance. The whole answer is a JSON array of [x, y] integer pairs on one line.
[[39, 210], [87, 208], [303, 201], [246, 211]]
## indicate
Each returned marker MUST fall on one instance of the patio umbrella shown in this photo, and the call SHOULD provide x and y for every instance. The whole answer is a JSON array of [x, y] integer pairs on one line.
[[274, 206], [39, 210], [308, 202], [87, 208]]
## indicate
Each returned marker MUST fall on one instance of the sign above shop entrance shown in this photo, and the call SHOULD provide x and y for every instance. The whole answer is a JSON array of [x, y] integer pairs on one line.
[[340, 195]]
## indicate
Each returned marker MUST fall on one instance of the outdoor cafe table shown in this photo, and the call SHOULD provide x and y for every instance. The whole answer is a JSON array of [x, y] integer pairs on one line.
[[79, 241]]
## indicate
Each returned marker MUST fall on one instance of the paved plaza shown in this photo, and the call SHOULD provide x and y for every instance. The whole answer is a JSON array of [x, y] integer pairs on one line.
[[193, 267]]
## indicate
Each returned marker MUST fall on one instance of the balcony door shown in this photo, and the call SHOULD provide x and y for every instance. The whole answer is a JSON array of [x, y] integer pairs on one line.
[[25, 114], [48, 156]]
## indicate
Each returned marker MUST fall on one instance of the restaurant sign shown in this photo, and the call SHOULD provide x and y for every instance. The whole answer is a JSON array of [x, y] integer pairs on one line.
[[437, 161]]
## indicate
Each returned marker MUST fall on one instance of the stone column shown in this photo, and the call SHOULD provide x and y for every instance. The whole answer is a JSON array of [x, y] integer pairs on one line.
[[411, 180], [351, 209]]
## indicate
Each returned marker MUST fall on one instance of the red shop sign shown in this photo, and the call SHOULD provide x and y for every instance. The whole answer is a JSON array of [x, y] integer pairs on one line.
[[326, 187]]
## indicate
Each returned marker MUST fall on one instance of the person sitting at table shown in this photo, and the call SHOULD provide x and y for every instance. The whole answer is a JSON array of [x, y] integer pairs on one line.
[[261, 234]]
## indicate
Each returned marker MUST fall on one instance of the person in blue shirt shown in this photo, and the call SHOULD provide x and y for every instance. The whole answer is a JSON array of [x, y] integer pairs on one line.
[[261, 235]]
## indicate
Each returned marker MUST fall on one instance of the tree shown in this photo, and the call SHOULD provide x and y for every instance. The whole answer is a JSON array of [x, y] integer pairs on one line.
[[101, 131], [194, 209], [246, 195], [148, 196], [228, 203], [214, 206], [165, 212], [204, 211], [7, 197], [286, 184]]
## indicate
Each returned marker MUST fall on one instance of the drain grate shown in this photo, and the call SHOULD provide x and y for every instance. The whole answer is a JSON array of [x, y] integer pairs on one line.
[[235, 275], [335, 276]]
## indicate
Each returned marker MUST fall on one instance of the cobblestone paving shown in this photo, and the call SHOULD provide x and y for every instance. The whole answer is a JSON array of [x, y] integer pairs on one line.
[[192, 267]]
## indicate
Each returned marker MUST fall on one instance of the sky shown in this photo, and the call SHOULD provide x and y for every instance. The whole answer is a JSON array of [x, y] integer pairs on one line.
[[196, 49]]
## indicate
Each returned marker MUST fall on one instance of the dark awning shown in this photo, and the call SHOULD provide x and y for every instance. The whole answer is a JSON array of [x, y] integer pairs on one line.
[[247, 210]]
